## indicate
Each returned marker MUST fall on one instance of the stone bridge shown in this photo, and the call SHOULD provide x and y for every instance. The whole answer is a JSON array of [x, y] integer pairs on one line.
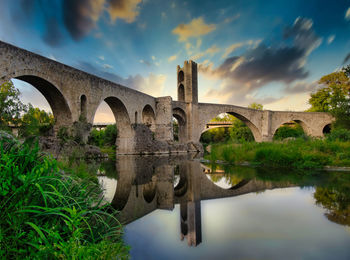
[[144, 122]]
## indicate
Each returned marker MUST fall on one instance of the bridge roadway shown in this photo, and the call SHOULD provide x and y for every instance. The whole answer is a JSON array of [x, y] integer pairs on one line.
[[144, 122]]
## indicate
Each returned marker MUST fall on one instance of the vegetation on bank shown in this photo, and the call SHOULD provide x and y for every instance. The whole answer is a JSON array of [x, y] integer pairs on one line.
[[300, 153], [49, 212]]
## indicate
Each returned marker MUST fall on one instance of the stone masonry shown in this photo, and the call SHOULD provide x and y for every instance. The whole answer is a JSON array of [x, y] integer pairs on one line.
[[74, 94]]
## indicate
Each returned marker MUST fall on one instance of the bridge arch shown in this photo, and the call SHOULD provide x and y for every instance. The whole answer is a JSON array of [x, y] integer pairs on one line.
[[58, 103], [150, 190], [306, 128], [180, 116], [149, 117], [83, 107], [241, 116], [125, 134]]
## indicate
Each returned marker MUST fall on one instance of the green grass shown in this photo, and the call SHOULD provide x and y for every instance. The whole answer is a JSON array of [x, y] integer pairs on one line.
[[50, 213], [299, 153]]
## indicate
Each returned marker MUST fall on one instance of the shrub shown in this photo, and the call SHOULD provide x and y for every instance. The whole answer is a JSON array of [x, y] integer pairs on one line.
[[47, 213], [339, 135]]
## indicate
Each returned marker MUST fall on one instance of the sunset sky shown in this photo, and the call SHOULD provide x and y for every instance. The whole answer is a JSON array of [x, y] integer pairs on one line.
[[270, 52]]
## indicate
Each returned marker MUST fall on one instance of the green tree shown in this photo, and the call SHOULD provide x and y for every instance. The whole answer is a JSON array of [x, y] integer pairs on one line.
[[334, 97], [36, 122], [11, 106], [256, 106]]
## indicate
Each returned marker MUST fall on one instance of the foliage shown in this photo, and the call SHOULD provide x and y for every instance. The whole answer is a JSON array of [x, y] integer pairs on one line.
[[10, 105], [339, 135], [104, 137], [46, 213], [175, 129], [299, 153], [256, 106], [241, 132], [36, 122], [334, 97], [286, 131]]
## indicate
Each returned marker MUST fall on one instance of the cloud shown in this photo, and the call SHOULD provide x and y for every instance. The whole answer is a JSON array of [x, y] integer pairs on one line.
[[153, 84], [53, 35], [347, 14], [124, 9], [244, 75], [330, 39], [197, 27], [80, 16], [212, 50], [172, 58], [107, 66], [101, 57]]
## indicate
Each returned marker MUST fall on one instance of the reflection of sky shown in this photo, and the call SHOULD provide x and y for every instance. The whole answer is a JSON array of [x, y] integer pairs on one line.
[[222, 183], [109, 186], [276, 224]]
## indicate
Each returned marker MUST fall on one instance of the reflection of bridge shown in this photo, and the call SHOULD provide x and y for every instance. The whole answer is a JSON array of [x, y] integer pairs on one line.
[[146, 184], [144, 122]]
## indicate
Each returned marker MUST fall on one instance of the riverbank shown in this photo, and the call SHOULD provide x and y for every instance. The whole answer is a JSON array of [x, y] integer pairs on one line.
[[51, 211], [298, 153]]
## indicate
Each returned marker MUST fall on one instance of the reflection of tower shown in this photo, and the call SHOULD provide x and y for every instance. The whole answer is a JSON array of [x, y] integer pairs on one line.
[[190, 207], [191, 225]]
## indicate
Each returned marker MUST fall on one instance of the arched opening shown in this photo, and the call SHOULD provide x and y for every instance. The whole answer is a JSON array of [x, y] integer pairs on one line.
[[181, 76], [135, 117], [181, 93], [180, 188], [291, 129], [229, 127], [327, 129], [149, 117], [54, 97], [48, 109], [149, 190], [112, 110], [179, 125], [83, 108]]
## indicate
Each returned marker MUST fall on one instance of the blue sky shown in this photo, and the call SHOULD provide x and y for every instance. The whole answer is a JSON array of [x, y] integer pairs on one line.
[[270, 52]]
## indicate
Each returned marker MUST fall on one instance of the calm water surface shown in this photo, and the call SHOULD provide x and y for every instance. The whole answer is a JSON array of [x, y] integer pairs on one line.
[[180, 208]]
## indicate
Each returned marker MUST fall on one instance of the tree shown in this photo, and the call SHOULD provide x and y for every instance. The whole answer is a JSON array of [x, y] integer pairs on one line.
[[36, 122], [256, 106], [334, 97], [11, 106]]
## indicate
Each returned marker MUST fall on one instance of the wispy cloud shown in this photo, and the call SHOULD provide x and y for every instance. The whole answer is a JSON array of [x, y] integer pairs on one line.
[[347, 14], [197, 27], [210, 51], [330, 39], [172, 58]]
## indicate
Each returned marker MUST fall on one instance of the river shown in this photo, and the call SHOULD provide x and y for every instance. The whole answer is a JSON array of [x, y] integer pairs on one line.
[[181, 207]]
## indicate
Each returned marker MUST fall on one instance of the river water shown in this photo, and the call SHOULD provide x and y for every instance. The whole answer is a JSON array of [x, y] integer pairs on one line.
[[183, 208]]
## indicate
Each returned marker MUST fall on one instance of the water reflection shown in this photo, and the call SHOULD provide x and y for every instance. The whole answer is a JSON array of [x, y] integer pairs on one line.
[[137, 186]]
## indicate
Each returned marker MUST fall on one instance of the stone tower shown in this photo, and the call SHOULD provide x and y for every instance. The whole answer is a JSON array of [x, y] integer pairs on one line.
[[187, 92], [187, 82]]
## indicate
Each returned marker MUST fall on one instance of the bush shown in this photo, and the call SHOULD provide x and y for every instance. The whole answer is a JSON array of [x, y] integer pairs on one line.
[[286, 131], [339, 135], [46, 213]]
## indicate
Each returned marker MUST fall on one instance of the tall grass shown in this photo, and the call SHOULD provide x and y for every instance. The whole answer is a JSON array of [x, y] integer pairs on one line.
[[47, 213], [299, 153]]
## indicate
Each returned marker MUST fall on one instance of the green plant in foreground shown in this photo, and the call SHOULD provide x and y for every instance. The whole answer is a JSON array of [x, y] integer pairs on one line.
[[47, 213]]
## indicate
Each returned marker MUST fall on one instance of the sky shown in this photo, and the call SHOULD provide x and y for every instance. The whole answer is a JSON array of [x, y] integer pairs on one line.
[[271, 52]]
